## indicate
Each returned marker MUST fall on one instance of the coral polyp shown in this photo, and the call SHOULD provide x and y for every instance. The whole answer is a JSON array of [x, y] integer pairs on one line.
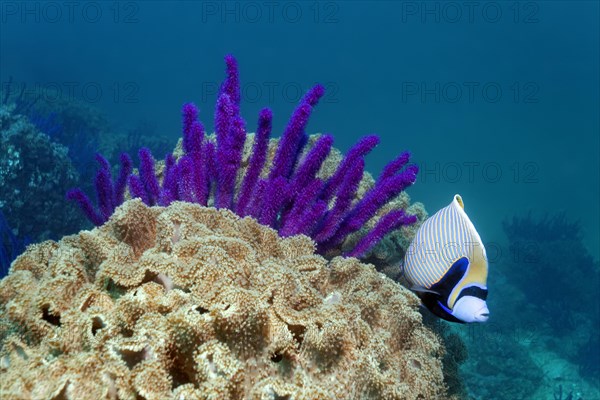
[[283, 184]]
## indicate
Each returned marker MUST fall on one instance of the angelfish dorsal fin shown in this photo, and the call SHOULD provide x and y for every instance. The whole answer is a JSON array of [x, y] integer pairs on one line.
[[459, 201]]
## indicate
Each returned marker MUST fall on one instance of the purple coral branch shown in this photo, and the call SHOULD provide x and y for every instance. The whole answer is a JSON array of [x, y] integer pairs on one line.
[[389, 222], [121, 183], [109, 195], [136, 189], [291, 141], [230, 132], [295, 220], [104, 164], [394, 166], [169, 184], [231, 84], [211, 164], [104, 191], [185, 173], [254, 208], [200, 178], [229, 157], [308, 219], [223, 116], [359, 150], [285, 157], [86, 206], [148, 176], [313, 96], [104, 187], [312, 162], [334, 217], [277, 194], [375, 198], [257, 160], [193, 132]]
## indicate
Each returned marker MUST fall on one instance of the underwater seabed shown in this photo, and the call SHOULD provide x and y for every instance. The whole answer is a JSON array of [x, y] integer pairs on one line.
[[520, 366]]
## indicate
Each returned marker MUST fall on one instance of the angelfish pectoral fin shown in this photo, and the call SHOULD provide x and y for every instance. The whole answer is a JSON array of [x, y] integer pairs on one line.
[[423, 290]]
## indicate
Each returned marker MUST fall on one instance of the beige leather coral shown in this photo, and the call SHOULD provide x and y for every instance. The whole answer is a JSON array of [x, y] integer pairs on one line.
[[190, 302]]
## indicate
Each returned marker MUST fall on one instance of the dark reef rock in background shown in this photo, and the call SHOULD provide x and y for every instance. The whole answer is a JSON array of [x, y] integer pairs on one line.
[[76, 125], [11, 245], [501, 366], [543, 250], [555, 272], [35, 172], [558, 279]]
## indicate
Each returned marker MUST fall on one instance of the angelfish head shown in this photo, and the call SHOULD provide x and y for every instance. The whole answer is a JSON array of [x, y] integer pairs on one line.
[[449, 300], [471, 309]]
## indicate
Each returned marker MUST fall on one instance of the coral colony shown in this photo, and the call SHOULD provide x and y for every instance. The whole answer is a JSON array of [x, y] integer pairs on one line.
[[198, 302], [290, 199], [188, 302]]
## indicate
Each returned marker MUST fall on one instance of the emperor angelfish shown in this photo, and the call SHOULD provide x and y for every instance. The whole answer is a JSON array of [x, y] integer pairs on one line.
[[446, 265]]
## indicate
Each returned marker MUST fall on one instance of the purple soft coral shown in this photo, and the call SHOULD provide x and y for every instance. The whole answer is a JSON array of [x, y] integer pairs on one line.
[[109, 195], [292, 197]]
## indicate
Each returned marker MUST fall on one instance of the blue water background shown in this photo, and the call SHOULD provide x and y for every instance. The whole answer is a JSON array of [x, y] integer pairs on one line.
[[403, 70]]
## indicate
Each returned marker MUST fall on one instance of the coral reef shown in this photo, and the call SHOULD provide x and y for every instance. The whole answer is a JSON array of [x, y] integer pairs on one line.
[[558, 394], [588, 357], [455, 355], [541, 250], [195, 302], [536, 245], [500, 367], [34, 173], [70, 122], [282, 190]]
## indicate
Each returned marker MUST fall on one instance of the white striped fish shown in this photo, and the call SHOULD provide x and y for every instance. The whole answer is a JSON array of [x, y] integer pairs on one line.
[[447, 266]]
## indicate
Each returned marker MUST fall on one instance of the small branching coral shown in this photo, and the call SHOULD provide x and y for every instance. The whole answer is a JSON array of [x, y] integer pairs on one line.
[[283, 187]]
